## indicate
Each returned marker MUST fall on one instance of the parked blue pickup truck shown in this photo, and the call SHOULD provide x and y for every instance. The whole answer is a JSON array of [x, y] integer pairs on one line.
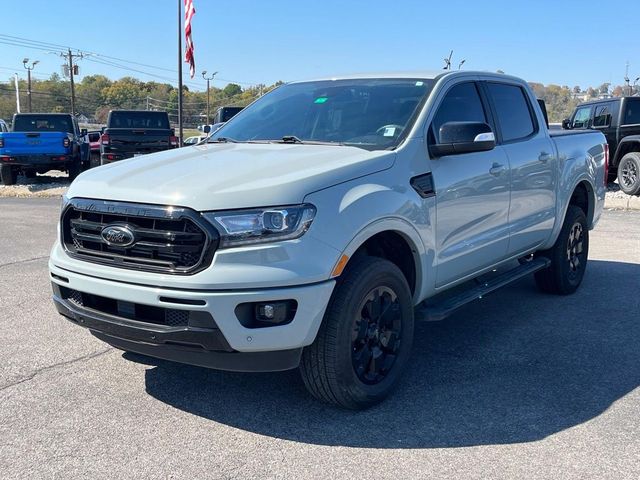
[[40, 142]]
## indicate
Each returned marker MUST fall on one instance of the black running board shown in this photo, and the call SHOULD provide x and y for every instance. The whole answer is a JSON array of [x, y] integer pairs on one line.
[[442, 309]]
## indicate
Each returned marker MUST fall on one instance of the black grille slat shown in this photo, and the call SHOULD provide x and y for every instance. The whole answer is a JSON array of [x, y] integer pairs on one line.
[[173, 240]]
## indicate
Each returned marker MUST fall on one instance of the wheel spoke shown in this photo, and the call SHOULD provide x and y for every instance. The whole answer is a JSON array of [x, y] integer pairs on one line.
[[360, 331], [361, 360]]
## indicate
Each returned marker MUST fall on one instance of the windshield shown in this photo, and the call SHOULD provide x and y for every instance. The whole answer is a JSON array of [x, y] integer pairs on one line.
[[42, 123], [368, 113]]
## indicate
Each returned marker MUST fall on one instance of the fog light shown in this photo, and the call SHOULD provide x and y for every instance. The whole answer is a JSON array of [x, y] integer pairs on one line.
[[266, 314], [273, 312]]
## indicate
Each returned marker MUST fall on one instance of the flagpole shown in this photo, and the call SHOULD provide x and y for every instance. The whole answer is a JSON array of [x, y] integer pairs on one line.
[[179, 73]]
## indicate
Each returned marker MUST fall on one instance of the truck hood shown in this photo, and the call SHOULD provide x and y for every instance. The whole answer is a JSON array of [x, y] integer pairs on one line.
[[229, 175]]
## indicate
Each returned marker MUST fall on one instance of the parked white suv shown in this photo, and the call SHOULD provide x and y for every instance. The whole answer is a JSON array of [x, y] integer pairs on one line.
[[318, 223]]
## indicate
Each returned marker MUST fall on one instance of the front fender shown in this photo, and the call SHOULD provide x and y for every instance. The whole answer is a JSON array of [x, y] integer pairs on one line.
[[352, 212]]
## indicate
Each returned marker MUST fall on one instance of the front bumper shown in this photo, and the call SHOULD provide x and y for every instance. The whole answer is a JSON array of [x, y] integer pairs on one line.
[[203, 347], [219, 304]]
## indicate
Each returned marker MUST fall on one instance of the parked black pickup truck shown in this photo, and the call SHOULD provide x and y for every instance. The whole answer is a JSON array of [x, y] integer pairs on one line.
[[619, 120], [130, 133]]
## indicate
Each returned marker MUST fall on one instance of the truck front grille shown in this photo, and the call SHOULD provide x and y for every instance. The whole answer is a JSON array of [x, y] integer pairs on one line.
[[158, 238]]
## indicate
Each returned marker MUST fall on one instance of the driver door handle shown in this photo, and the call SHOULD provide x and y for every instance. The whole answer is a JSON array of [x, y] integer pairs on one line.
[[497, 169], [544, 157]]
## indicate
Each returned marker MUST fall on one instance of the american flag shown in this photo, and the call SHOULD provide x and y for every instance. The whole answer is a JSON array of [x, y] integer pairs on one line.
[[189, 12]]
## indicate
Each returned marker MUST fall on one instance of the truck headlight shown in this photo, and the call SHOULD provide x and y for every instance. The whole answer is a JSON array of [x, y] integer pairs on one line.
[[247, 227]]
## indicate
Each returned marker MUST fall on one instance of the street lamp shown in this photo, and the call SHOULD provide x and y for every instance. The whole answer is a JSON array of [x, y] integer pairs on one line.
[[208, 79], [25, 61]]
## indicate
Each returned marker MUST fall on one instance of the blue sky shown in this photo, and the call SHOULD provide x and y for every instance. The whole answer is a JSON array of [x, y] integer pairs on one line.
[[564, 42]]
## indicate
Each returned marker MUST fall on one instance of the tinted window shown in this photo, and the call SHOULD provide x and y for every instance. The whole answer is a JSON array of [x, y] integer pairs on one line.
[[43, 123], [461, 104], [94, 137], [139, 120], [602, 115], [632, 112], [582, 117], [512, 108]]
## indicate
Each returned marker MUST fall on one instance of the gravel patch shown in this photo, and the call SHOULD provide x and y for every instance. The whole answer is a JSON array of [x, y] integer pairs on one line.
[[50, 184]]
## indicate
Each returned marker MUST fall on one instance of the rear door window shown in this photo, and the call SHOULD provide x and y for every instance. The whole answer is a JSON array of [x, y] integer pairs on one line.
[[461, 104], [602, 115], [513, 110]]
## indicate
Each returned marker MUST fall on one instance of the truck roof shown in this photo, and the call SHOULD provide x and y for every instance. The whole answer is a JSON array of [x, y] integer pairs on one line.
[[425, 74], [609, 100]]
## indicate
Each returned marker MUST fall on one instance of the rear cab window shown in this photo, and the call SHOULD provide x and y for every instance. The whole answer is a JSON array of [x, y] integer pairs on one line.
[[140, 119], [513, 111], [43, 123]]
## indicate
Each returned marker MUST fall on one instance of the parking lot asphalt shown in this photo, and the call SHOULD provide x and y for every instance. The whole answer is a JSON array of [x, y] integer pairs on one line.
[[517, 385]]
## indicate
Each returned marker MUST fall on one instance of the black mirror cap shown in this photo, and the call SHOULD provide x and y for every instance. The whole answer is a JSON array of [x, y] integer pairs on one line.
[[206, 129], [83, 132], [462, 137], [566, 124]]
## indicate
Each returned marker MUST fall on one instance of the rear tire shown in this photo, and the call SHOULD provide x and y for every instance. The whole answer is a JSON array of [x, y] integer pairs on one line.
[[74, 170], [629, 173], [568, 256], [365, 338], [8, 175]]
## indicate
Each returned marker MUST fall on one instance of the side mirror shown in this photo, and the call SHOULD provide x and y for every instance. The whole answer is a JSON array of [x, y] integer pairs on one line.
[[83, 132], [566, 124], [103, 129], [463, 137], [206, 129]]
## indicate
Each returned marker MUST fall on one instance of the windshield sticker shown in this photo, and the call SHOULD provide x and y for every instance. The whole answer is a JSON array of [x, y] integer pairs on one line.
[[389, 132], [419, 84], [320, 100]]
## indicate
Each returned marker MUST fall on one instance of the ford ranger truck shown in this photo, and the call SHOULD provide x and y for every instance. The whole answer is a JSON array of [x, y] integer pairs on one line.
[[316, 226], [41, 142]]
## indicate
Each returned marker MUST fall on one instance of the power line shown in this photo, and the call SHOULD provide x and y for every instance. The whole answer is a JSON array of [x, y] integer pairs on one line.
[[45, 46]]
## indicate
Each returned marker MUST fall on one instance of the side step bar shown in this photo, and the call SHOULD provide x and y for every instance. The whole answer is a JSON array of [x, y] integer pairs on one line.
[[445, 307]]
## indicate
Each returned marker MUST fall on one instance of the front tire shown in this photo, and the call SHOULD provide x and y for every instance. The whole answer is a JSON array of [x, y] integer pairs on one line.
[[568, 256], [8, 175], [365, 338], [629, 173]]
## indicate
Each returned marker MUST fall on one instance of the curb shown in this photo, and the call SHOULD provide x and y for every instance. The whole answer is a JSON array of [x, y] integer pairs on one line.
[[622, 203]]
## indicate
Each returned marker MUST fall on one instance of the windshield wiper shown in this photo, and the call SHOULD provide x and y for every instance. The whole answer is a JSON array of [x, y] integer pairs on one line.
[[291, 139]]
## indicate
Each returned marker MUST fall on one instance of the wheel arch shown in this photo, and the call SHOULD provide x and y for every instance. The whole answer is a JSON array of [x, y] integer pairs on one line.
[[626, 145], [395, 240], [583, 196]]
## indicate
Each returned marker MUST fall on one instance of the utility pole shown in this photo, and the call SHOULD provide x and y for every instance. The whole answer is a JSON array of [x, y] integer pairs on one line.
[[17, 93], [24, 64], [626, 79], [72, 71], [204, 75]]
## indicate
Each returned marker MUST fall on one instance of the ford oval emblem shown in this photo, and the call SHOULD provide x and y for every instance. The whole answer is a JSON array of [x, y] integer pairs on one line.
[[117, 235]]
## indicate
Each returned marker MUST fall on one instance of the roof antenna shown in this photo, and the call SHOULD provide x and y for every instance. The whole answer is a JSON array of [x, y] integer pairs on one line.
[[447, 62]]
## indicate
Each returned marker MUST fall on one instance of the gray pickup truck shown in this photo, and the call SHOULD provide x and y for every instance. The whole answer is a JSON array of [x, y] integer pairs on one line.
[[323, 220]]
